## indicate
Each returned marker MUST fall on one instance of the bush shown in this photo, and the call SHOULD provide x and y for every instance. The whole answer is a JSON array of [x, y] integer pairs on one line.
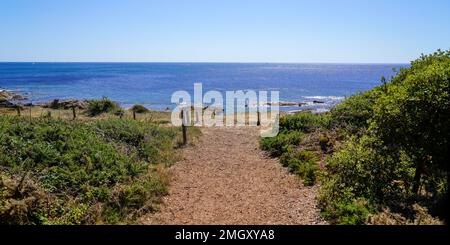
[[139, 109], [97, 107], [354, 112], [302, 163], [401, 145], [348, 213], [80, 173], [149, 142], [363, 169], [292, 131], [280, 144], [303, 121], [414, 114]]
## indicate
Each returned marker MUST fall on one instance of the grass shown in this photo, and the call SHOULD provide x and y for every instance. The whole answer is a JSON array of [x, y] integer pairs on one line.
[[158, 117]]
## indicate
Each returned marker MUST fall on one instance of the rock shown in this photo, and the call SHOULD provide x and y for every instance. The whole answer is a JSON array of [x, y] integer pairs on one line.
[[18, 97], [284, 104], [5, 95], [6, 103], [66, 104]]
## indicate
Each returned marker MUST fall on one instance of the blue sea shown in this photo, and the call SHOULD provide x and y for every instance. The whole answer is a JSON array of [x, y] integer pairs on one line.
[[152, 84]]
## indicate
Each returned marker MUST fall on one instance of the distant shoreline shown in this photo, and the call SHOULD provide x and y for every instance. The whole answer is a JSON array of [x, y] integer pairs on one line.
[[289, 106]]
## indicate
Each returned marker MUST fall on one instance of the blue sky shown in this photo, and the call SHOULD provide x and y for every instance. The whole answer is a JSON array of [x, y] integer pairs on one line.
[[350, 31]]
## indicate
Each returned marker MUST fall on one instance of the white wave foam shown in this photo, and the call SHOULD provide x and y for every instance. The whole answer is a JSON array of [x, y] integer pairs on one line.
[[324, 97]]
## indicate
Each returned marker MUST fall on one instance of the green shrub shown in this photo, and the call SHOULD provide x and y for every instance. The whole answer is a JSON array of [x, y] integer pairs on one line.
[[304, 121], [280, 144], [401, 145], [83, 173], [292, 131], [352, 213], [104, 105], [363, 169], [302, 163], [354, 112], [414, 115], [139, 109], [366, 167], [149, 142]]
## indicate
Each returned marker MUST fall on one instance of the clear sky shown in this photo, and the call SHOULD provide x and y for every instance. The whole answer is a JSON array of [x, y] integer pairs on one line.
[[351, 31]]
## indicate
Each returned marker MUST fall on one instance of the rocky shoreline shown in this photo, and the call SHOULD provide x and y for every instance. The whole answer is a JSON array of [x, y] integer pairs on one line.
[[10, 99]]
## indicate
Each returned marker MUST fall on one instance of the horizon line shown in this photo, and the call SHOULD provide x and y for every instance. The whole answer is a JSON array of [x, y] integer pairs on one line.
[[206, 62]]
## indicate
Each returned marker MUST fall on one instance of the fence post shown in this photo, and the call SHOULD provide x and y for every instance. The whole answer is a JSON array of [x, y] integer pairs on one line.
[[183, 126], [18, 110], [74, 112], [134, 114], [258, 122]]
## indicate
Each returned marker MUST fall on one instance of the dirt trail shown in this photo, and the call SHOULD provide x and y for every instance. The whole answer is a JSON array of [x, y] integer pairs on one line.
[[226, 179]]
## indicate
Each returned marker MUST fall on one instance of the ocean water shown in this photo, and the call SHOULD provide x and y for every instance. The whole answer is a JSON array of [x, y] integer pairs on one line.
[[152, 84]]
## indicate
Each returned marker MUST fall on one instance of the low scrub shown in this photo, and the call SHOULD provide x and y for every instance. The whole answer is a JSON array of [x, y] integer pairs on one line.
[[281, 143], [139, 109], [61, 172], [305, 122], [104, 105], [285, 145], [302, 163]]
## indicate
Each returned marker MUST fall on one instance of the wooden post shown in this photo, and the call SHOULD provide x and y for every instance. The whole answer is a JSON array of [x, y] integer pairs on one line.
[[18, 110], [258, 122], [134, 114], [183, 126], [74, 112]]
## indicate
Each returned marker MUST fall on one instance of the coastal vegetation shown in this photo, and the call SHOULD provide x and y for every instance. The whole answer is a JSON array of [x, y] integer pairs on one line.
[[139, 109], [97, 107], [380, 156], [92, 170]]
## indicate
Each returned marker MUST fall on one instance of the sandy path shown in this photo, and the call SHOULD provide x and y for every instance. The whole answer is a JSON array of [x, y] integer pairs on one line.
[[226, 179]]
